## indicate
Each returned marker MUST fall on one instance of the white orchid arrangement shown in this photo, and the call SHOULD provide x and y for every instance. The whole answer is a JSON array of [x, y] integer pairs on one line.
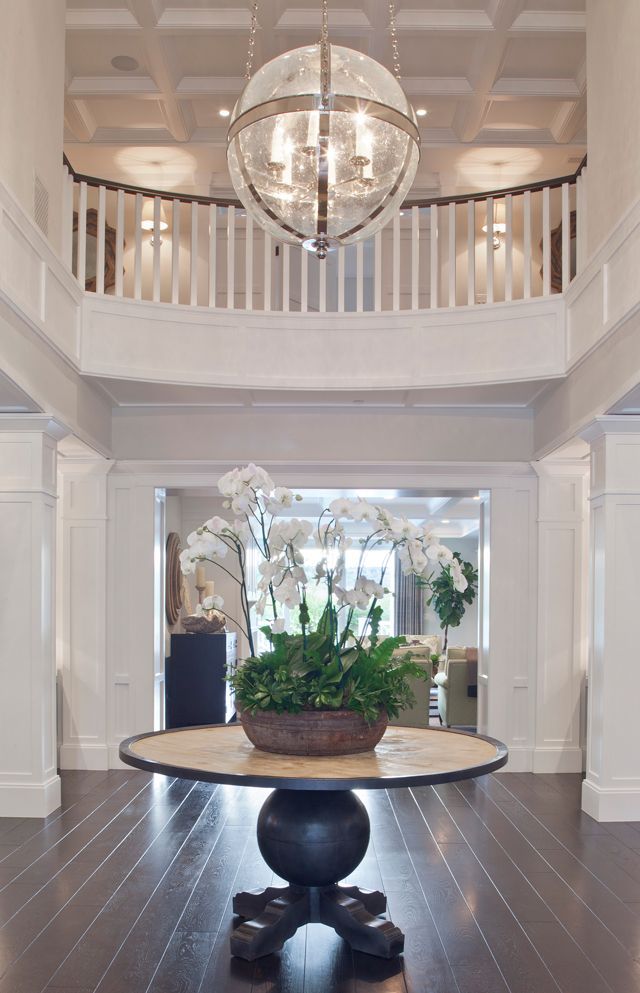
[[257, 505]]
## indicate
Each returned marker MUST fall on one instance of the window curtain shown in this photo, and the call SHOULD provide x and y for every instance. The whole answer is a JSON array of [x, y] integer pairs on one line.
[[409, 604]]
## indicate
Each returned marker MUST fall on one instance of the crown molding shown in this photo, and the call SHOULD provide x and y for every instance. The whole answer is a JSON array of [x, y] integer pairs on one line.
[[98, 86], [508, 86], [549, 22], [100, 19]]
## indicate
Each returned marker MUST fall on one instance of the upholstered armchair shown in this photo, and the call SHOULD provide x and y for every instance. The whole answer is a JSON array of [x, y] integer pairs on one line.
[[420, 648], [455, 704]]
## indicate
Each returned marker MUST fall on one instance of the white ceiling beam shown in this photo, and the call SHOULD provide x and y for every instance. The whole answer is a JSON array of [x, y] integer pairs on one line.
[[443, 20], [205, 86], [109, 86], [436, 86], [514, 136], [177, 19], [79, 119], [487, 62], [302, 19], [550, 22], [569, 121], [100, 19], [192, 87], [560, 89], [145, 13]]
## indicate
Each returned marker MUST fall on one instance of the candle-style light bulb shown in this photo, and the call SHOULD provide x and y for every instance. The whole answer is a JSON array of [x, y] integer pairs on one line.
[[313, 126]]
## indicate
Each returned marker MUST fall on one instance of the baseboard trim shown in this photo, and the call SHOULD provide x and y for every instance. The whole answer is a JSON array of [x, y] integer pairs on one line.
[[552, 760], [91, 757], [30, 799], [610, 804], [520, 759], [115, 762]]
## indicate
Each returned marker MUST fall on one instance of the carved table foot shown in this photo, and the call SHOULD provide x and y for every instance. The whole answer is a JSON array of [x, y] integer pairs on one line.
[[349, 917], [253, 902], [279, 920]]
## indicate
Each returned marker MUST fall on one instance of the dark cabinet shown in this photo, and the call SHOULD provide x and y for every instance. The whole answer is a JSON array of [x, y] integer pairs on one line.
[[195, 688]]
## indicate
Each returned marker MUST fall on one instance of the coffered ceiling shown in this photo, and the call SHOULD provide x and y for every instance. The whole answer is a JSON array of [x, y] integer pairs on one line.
[[503, 83]]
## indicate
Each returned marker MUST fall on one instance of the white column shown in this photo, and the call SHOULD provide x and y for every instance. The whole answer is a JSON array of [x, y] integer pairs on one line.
[[561, 640], [81, 638], [29, 783], [611, 791]]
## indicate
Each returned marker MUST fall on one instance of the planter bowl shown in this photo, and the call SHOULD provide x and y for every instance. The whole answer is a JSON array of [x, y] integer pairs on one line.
[[313, 732]]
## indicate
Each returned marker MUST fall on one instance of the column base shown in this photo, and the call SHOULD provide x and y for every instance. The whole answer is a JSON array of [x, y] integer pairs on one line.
[[92, 757], [610, 804], [569, 759], [29, 799]]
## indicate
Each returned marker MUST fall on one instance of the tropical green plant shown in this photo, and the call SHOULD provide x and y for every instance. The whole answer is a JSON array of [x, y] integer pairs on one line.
[[448, 600]]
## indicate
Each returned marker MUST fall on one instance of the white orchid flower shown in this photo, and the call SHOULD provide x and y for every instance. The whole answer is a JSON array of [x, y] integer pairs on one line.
[[278, 626], [341, 507], [212, 603]]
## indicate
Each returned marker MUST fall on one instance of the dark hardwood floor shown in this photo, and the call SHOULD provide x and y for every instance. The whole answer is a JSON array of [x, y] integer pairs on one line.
[[500, 884]]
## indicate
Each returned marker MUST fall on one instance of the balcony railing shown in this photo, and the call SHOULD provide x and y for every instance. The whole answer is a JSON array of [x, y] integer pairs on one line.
[[433, 253]]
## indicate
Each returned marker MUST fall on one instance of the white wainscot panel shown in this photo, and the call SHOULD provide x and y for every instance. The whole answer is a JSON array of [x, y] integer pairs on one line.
[[84, 684], [622, 287], [21, 270], [16, 661], [62, 316], [585, 319], [166, 343], [16, 464], [558, 712]]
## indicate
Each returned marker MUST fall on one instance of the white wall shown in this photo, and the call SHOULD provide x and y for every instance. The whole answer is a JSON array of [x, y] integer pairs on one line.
[[613, 122], [32, 38]]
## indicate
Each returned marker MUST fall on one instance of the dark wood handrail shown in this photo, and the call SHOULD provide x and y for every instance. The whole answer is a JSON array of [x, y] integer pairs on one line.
[[552, 184]]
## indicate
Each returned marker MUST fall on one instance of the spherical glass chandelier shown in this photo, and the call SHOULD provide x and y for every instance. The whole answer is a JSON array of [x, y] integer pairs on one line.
[[323, 146]]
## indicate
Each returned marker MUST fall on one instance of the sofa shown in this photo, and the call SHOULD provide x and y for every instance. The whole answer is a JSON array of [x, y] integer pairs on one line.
[[457, 684], [420, 647]]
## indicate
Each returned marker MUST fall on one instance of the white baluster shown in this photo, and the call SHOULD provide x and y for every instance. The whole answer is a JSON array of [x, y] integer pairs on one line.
[[377, 271], [341, 252], [566, 238], [360, 277], [67, 216], [581, 221], [489, 249], [508, 247], [304, 280], [157, 215], [248, 261], [546, 242], [471, 252], [286, 281], [213, 253], [322, 286], [175, 252], [396, 262], [102, 204], [452, 254], [415, 257], [231, 256], [81, 263], [434, 261], [267, 271], [119, 243], [193, 256], [137, 262], [526, 260]]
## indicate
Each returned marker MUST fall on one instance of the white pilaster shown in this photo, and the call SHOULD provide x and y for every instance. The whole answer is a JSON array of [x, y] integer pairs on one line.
[[82, 613], [29, 783], [611, 790], [561, 640]]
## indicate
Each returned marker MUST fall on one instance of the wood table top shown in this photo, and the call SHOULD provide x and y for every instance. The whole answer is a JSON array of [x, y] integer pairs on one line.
[[406, 756]]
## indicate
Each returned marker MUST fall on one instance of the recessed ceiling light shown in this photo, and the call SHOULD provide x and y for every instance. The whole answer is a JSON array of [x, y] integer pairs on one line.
[[125, 63], [445, 520], [421, 112], [224, 112], [476, 497]]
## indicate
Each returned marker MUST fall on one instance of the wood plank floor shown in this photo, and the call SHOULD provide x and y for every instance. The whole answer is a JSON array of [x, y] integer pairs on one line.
[[500, 884]]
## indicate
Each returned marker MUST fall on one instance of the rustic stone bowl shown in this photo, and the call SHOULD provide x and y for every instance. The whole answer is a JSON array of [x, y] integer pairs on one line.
[[313, 732]]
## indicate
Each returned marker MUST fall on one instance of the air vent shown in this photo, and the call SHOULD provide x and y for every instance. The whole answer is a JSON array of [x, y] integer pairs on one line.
[[41, 205]]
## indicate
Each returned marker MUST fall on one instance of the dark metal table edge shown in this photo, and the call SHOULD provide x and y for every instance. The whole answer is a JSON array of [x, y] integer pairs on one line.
[[302, 783]]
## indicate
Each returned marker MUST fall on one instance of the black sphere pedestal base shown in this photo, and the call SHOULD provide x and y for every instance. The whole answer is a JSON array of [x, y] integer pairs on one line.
[[313, 839]]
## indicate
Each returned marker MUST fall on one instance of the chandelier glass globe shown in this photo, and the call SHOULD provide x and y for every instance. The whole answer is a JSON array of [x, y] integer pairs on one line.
[[323, 146]]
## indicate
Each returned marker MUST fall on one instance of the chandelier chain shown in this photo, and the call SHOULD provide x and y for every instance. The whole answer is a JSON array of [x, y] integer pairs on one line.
[[325, 68], [252, 40], [395, 51]]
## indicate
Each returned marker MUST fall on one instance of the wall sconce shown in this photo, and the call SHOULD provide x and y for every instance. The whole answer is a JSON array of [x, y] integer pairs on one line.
[[148, 223], [499, 226]]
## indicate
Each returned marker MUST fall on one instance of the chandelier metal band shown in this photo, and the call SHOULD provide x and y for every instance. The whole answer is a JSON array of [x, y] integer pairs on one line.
[[309, 102]]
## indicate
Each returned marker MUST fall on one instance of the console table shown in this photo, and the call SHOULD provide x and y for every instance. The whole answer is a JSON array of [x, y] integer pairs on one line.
[[195, 686], [313, 830]]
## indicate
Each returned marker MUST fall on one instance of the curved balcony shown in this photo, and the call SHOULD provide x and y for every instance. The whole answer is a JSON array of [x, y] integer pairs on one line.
[[451, 292]]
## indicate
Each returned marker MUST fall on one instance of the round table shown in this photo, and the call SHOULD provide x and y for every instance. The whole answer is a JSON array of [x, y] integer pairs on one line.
[[313, 830]]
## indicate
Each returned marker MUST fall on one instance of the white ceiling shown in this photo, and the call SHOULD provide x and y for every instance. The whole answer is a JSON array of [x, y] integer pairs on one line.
[[503, 81]]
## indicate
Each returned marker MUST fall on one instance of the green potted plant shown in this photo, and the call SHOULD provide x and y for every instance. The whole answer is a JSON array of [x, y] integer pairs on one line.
[[328, 687], [449, 597]]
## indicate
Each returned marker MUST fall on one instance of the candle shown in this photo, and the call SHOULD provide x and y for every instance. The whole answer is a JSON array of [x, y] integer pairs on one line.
[[200, 575], [312, 129], [209, 588]]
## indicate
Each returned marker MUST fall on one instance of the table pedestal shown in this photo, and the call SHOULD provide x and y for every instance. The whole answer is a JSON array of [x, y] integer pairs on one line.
[[313, 839]]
